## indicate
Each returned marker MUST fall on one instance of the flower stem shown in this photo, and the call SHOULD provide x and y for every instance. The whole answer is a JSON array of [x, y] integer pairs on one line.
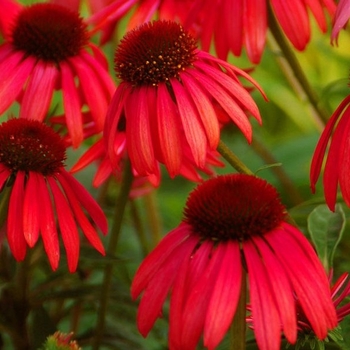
[[111, 250], [154, 218], [232, 159], [238, 327], [294, 64]]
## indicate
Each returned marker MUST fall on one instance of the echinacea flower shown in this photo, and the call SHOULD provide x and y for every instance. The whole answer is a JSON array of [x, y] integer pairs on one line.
[[141, 184], [40, 198], [337, 164], [234, 24], [341, 17], [230, 223], [168, 96], [47, 48]]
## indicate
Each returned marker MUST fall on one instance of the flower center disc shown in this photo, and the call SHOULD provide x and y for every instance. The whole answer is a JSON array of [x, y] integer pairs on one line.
[[29, 145], [153, 53], [234, 207], [49, 32]]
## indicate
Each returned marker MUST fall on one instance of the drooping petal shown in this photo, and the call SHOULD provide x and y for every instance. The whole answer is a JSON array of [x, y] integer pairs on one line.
[[226, 102], [71, 103], [87, 228], [114, 113], [189, 273], [343, 154], [14, 72], [138, 131], [169, 130], [68, 227], [205, 109], [255, 27], [197, 303], [311, 290], [152, 263], [193, 129], [93, 92], [15, 235], [38, 93], [236, 89], [86, 200], [319, 153], [294, 21], [225, 296], [159, 286], [337, 164], [341, 17], [281, 287], [31, 209], [266, 320], [48, 225]]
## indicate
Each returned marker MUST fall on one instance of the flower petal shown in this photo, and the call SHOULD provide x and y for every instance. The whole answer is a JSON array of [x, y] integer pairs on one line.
[[15, 235]]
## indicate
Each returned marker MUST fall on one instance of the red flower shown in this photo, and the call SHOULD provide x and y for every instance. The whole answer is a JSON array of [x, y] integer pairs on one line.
[[35, 188], [337, 165], [230, 222], [167, 100], [142, 184], [46, 48], [234, 24], [341, 17]]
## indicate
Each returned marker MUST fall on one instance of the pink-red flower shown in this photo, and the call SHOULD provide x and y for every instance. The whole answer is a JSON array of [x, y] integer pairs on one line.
[[47, 49], [169, 97], [234, 24], [39, 198], [141, 184], [337, 164], [232, 223], [341, 17]]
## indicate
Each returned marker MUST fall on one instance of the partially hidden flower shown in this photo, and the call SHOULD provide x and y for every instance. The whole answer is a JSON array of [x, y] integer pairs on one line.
[[233, 25], [232, 223], [60, 341], [337, 164], [169, 96], [47, 49], [97, 153], [39, 198], [341, 18]]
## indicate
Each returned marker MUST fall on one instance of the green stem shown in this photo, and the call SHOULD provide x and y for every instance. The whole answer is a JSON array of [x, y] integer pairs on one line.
[[140, 231], [232, 159], [285, 181], [294, 64], [154, 218], [111, 250], [238, 327]]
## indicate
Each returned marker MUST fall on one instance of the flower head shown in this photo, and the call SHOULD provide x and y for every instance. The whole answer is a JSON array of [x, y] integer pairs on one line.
[[47, 48], [337, 166], [232, 223], [169, 96], [35, 188]]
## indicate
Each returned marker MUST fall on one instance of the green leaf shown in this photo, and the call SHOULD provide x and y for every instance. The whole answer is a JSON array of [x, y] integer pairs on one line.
[[326, 230]]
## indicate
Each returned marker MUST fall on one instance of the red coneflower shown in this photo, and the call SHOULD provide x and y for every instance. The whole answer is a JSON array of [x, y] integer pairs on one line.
[[337, 167], [36, 191], [47, 48], [97, 153], [234, 24], [168, 96], [232, 222]]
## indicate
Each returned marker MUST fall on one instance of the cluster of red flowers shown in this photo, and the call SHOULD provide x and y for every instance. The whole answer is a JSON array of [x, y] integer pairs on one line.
[[168, 107]]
